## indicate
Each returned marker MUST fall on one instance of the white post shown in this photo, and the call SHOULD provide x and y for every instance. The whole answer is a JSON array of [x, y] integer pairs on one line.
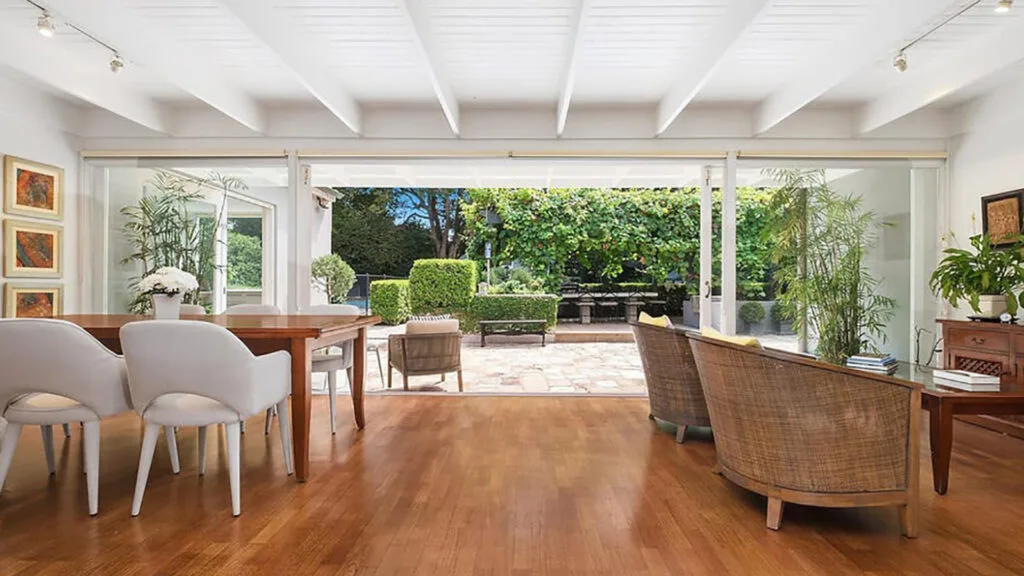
[[729, 247], [302, 247], [924, 255], [706, 242], [220, 255]]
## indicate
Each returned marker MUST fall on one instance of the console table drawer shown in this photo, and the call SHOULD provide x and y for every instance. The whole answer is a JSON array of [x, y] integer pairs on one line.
[[992, 341]]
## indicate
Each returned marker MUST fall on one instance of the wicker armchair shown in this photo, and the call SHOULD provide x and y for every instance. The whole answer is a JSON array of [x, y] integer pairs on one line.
[[797, 430], [431, 347], [673, 384]]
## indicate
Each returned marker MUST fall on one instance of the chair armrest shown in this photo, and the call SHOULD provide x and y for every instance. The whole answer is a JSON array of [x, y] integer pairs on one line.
[[272, 380]]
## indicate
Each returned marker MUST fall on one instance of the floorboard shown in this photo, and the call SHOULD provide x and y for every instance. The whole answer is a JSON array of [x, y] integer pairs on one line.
[[487, 485]]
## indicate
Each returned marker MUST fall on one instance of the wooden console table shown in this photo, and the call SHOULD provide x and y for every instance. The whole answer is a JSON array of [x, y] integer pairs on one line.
[[987, 348]]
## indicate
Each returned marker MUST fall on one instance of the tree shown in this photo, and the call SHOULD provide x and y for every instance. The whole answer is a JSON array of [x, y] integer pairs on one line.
[[366, 235], [245, 261], [441, 210], [333, 276]]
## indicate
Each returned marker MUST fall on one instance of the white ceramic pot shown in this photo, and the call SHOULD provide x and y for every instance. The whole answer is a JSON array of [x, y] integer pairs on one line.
[[992, 306], [166, 306]]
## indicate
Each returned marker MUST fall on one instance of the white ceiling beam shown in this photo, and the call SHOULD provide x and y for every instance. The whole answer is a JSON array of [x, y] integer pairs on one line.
[[579, 17], [943, 78], [24, 50], [302, 60], [139, 40], [426, 46], [881, 35], [739, 17]]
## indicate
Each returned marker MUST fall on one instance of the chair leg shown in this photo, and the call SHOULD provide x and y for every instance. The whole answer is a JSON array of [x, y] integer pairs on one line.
[[172, 448], [202, 450], [47, 431], [350, 373], [460, 380], [91, 447], [11, 436], [909, 518], [391, 370], [443, 376], [241, 427], [284, 426], [234, 466], [145, 462], [775, 507], [67, 429], [268, 421], [681, 433], [332, 393], [380, 368], [405, 381]]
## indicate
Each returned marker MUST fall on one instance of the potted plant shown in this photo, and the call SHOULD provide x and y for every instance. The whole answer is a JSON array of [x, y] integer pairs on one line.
[[782, 315], [166, 286], [987, 278], [752, 314]]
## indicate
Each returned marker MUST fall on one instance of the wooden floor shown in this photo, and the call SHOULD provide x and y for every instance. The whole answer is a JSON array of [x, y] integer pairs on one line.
[[442, 485]]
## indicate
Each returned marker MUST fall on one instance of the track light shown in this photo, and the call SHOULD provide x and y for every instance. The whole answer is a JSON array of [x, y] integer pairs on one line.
[[116, 64], [1004, 6], [45, 25], [900, 62]]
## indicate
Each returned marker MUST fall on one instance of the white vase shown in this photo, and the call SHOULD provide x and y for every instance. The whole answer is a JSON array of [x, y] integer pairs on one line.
[[991, 306], [167, 306]]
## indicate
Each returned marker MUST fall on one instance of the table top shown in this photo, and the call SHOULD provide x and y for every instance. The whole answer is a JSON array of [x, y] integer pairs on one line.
[[244, 326], [923, 376], [576, 295]]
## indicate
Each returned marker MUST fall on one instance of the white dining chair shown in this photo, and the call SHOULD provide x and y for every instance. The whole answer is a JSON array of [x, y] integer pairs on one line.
[[221, 383], [54, 372], [256, 310], [326, 361], [192, 310]]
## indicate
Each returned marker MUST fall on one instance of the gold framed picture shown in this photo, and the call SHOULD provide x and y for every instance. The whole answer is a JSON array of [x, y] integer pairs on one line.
[[33, 189], [32, 249], [26, 301]]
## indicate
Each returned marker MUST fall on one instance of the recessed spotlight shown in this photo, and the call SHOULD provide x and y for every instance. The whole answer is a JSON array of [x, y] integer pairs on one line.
[[1004, 6], [900, 62], [116, 64], [45, 25]]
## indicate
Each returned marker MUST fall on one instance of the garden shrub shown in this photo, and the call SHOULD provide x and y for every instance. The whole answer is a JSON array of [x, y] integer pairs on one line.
[[442, 286], [752, 313], [510, 307], [782, 312], [331, 274], [389, 299]]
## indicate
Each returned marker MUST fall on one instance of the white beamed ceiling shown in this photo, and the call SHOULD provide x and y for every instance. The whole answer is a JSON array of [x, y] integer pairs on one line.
[[499, 68]]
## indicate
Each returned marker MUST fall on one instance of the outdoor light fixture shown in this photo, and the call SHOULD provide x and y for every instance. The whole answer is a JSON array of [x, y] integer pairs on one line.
[[45, 25], [900, 62], [1004, 6], [116, 64]]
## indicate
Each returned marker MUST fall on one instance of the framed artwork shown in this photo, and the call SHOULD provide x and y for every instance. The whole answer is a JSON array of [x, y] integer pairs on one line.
[[32, 189], [32, 250], [1001, 217], [25, 301]]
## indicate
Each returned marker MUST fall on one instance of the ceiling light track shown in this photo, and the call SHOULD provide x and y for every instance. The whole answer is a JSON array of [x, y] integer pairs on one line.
[[900, 62], [47, 28]]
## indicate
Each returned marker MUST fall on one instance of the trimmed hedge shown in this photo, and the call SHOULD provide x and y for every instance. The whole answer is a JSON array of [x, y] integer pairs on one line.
[[389, 299], [510, 307], [442, 286], [752, 313]]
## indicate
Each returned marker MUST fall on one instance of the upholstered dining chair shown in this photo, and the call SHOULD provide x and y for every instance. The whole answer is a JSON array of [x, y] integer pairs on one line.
[[256, 310], [222, 383], [327, 361], [428, 347], [192, 310], [85, 382]]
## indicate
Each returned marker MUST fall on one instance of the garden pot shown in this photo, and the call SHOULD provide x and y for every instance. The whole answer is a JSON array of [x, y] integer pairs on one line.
[[991, 306], [167, 306]]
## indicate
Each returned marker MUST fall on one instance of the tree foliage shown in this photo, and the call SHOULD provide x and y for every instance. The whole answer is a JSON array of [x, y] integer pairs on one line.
[[245, 261], [440, 211], [366, 235], [333, 276]]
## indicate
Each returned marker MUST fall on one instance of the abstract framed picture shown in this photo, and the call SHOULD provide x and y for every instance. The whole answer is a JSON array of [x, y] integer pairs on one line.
[[33, 189], [32, 249], [26, 301], [1001, 217]]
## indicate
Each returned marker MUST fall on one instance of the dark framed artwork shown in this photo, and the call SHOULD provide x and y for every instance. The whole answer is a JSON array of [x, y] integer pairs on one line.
[[1001, 217]]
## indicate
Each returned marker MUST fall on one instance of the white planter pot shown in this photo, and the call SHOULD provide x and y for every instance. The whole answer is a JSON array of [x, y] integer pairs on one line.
[[992, 306], [167, 307]]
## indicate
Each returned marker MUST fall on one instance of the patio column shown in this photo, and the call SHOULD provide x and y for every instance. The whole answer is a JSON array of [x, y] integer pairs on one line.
[[220, 256], [706, 243], [729, 246], [299, 285]]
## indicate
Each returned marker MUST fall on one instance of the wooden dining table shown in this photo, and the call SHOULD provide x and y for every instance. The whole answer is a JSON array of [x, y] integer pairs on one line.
[[299, 335]]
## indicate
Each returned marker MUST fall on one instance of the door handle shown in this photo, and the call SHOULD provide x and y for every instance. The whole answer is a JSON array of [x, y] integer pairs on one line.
[[707, 285]]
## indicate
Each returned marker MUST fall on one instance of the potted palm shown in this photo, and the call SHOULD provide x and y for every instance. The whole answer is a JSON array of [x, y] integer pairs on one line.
[[987, 278]]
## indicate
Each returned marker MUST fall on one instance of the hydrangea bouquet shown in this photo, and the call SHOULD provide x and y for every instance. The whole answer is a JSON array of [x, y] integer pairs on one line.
[[169, 281]]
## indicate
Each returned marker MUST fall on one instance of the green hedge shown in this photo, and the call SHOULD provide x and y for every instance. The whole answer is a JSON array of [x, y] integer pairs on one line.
[[389, 299], [442, 286], [510, 307]]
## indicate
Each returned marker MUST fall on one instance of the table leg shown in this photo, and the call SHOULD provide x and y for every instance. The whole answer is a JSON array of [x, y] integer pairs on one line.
[[941, 439], [359, 367], [302, 405]]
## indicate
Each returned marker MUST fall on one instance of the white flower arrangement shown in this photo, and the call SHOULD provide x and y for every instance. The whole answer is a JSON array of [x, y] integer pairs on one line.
[[168, 280]]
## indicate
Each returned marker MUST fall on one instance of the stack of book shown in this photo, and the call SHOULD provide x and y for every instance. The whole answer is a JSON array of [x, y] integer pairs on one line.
[[968, 381], [876, 363]]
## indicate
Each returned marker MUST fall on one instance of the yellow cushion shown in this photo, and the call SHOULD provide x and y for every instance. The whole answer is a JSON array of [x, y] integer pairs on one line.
[[709, 332], [660, 321]]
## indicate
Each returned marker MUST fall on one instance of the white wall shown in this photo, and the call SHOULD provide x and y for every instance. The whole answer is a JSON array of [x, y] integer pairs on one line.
[[321, 239], [41, 144]]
